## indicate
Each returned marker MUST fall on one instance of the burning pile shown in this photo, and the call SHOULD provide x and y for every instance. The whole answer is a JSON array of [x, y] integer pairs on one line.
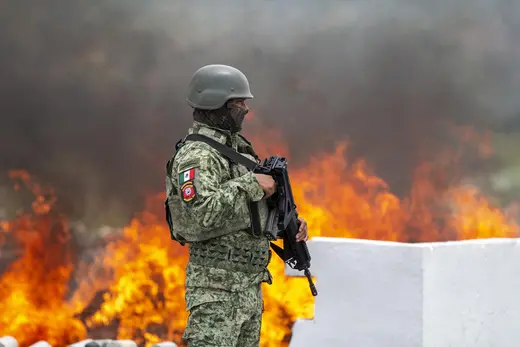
[[135, 289]]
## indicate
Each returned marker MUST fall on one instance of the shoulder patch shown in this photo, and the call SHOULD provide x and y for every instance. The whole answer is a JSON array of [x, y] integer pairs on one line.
[[188, 191], [186, 184]]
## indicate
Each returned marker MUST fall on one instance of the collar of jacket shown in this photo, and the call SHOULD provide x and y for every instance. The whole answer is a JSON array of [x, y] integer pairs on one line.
[[220, 135]]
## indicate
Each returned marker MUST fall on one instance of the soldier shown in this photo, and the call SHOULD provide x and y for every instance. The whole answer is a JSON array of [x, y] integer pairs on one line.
[[208, 199]]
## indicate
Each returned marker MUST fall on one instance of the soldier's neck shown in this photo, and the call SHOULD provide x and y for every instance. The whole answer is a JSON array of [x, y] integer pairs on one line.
[[221, 135]]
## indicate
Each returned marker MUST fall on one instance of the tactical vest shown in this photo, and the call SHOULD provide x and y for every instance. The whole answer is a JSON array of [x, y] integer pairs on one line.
[[250, 256]]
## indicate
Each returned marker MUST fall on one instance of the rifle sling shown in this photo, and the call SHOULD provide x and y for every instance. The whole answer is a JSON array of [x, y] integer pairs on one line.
[[228, 152], [237, 158]]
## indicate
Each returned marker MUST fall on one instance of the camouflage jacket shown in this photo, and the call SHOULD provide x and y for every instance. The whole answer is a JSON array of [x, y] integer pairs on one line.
[[208, 198]]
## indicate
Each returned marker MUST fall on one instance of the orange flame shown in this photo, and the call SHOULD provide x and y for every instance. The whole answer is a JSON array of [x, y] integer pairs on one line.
[[33, 291], [143, 272]]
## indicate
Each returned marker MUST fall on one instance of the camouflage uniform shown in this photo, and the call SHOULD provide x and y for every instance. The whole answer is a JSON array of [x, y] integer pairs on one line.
[[208, 198]]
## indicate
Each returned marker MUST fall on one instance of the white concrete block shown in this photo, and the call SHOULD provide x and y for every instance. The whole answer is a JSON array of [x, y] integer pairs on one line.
[[472, 293], [8, 341], [374, 293]]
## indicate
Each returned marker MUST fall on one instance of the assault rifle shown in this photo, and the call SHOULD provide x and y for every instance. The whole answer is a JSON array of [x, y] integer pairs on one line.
[[282, 221]]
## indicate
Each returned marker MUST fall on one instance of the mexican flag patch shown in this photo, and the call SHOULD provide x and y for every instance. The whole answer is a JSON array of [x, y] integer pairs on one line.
[[186, 176]]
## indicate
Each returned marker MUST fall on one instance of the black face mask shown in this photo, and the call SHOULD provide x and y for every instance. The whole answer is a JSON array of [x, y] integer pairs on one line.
[[228, 118], [237, 115]]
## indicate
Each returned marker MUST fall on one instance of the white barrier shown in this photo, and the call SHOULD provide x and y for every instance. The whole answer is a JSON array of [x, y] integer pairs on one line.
[[373, 294], [165, 344], [8, 341]]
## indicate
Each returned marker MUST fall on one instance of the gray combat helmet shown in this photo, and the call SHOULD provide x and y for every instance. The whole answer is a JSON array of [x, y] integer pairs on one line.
[[213, 85]]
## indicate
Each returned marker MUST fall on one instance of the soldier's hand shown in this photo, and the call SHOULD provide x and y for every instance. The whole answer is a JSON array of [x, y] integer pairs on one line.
[[302, 232], [267, 184]]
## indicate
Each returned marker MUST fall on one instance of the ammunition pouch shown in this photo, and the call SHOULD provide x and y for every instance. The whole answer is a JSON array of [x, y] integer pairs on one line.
[[229, 258], [173, 236]]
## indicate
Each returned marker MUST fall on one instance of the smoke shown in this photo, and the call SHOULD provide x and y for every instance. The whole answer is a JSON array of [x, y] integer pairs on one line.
[[92, 92]]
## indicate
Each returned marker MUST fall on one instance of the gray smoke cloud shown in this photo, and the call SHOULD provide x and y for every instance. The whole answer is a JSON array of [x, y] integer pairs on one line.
[[92, 92]]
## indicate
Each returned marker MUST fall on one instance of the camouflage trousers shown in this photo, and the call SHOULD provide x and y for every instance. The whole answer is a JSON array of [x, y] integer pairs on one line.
[[224, 319]]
